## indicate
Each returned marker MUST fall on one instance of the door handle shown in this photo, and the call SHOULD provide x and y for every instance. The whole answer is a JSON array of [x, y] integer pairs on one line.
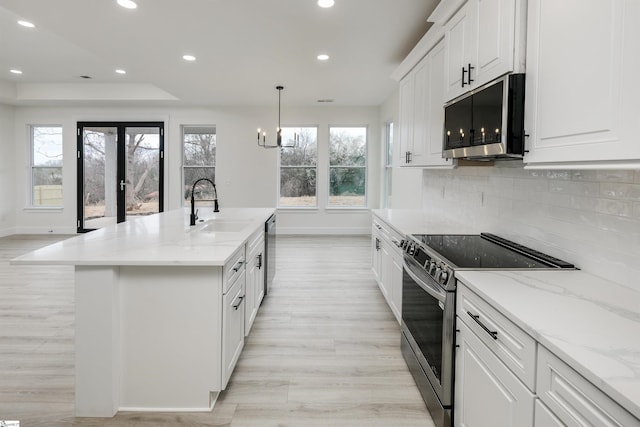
[[259, 261], [462, 79], [240, 299], [469, 79]]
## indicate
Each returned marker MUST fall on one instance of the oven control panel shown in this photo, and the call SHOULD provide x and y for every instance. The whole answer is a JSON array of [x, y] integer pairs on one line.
[[432, 265]]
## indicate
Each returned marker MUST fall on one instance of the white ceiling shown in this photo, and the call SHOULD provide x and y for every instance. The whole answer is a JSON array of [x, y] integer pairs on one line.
[[244, 48]]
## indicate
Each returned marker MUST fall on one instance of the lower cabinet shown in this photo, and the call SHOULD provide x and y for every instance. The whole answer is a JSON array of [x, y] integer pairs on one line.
[[233, 306], [255, 279], [487, 392], [386, 263], [544, 417]]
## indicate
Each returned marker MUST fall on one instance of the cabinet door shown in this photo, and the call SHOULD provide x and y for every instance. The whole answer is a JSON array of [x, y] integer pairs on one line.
[[376, 254], [233, 306], [386, 268], [396, 287], [460, 39], [495, 40], [250, 308], [486, 392], [417, 152], [582, 98], [407, 97], [544, 417], [435, 109]]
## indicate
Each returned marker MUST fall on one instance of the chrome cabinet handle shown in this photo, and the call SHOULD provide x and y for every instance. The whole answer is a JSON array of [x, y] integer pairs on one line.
[[259, 257], [476, 318], [240, 299], [238, 266]]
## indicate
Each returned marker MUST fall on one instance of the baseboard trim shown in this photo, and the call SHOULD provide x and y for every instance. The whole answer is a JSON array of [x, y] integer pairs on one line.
[[44, 230]]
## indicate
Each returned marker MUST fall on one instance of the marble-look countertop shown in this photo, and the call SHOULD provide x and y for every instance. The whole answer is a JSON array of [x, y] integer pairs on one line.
[[592, 324], [160, 239], [411, 221]]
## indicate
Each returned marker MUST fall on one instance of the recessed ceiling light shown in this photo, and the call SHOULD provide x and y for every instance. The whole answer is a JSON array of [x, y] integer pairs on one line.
[[323, 57], [325, 100], [189, 57], [16, 71], [26, 24], [119, 71], [326, 3], [129, 4]]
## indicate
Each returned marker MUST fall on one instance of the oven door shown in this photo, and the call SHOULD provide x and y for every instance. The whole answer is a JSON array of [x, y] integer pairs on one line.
[[428, 318]]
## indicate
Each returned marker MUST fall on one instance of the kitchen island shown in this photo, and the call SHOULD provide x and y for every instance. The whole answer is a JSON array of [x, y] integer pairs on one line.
[[159, 314]]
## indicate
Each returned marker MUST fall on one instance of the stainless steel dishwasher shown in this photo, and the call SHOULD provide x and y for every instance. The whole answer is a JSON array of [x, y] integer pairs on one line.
[[269, 252]]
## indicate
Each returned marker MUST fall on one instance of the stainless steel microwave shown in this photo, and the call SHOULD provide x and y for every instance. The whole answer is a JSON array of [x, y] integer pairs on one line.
[[487, 123]]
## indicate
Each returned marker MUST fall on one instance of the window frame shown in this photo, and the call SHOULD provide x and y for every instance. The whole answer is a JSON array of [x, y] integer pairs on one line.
[[280, 166], [183, 167], [32, 167], [364, 206]]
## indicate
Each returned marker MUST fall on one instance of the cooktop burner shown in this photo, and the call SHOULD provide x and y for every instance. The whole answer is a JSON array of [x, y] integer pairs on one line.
[[487, 251]]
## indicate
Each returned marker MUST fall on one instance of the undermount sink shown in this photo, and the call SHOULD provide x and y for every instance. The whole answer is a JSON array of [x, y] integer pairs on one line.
[[222, 226]]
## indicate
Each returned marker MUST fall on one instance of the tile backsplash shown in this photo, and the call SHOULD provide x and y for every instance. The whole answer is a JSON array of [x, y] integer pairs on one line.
[[587, 217]]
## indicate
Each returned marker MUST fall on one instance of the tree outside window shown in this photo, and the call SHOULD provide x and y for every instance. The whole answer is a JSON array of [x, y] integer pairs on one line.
[[199, 159], [298, 167], [46, 166], [347, 166]]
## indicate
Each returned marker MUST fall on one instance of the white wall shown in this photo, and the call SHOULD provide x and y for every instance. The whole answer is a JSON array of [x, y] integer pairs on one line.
[[7, 171], [246, 174], [406, 190], [589, 218]]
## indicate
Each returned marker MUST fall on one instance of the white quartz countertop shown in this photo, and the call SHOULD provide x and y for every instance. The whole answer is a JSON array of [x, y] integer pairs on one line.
[[592, 324], [411, 221], [160, 239]]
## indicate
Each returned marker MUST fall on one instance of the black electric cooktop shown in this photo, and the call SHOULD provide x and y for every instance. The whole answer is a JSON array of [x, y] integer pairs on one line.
[[487, 251]]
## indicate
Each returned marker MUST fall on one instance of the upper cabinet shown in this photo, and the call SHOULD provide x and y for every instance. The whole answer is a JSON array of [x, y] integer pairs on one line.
[[422, 112], [581, 97], [484, 40]]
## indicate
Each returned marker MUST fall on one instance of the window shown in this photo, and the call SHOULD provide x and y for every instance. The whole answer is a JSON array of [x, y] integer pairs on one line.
[[298, 167], [347, 166], [199, 158], [388, 163], [46, 166]]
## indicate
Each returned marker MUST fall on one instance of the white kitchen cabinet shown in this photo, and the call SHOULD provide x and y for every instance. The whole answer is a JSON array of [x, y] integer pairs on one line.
[[387, 264], [483, 41], [574, 400], [512, 345], [544, 417], [487, 393], [581, 95], [233, 306], [422, 112], [233, 312], [254, 278]]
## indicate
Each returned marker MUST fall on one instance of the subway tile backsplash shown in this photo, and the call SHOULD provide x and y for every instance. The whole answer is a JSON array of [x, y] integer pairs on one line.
[[590, 218]]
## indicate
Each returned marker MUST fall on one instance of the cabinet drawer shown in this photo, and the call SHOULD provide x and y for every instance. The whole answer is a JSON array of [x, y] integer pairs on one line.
[[388, 234], [255, 243], [512, 345], [573, 399], [233, 269]]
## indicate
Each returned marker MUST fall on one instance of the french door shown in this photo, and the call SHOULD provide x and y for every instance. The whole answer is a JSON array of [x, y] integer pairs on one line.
[[120, 172]]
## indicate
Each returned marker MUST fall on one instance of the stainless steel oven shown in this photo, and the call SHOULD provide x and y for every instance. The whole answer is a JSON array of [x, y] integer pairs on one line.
[[428, 322], [429, 299]]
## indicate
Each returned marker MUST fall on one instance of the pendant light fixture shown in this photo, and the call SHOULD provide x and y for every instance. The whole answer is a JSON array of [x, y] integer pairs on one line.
[[262, 139]]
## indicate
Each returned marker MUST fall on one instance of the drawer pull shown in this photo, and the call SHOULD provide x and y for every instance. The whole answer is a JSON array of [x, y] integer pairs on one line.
[[238, 266], [494, 334], [237, 305]]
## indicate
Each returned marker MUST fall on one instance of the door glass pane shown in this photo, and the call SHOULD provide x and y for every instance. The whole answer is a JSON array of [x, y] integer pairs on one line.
[[100, 176], [142, 170]]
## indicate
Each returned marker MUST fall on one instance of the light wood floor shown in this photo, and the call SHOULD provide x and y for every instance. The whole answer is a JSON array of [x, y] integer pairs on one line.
[[324, 350]]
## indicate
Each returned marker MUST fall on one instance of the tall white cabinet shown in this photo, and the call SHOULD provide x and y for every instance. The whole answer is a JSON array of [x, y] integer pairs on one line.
[[422, 112], [484, 40], [582, 98]]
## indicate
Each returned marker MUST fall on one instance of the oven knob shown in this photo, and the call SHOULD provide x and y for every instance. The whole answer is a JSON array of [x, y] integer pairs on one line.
[[431, 267], [436, 275]]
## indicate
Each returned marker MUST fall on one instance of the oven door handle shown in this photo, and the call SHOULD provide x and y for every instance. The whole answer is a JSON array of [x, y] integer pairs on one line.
[[438, 294]]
